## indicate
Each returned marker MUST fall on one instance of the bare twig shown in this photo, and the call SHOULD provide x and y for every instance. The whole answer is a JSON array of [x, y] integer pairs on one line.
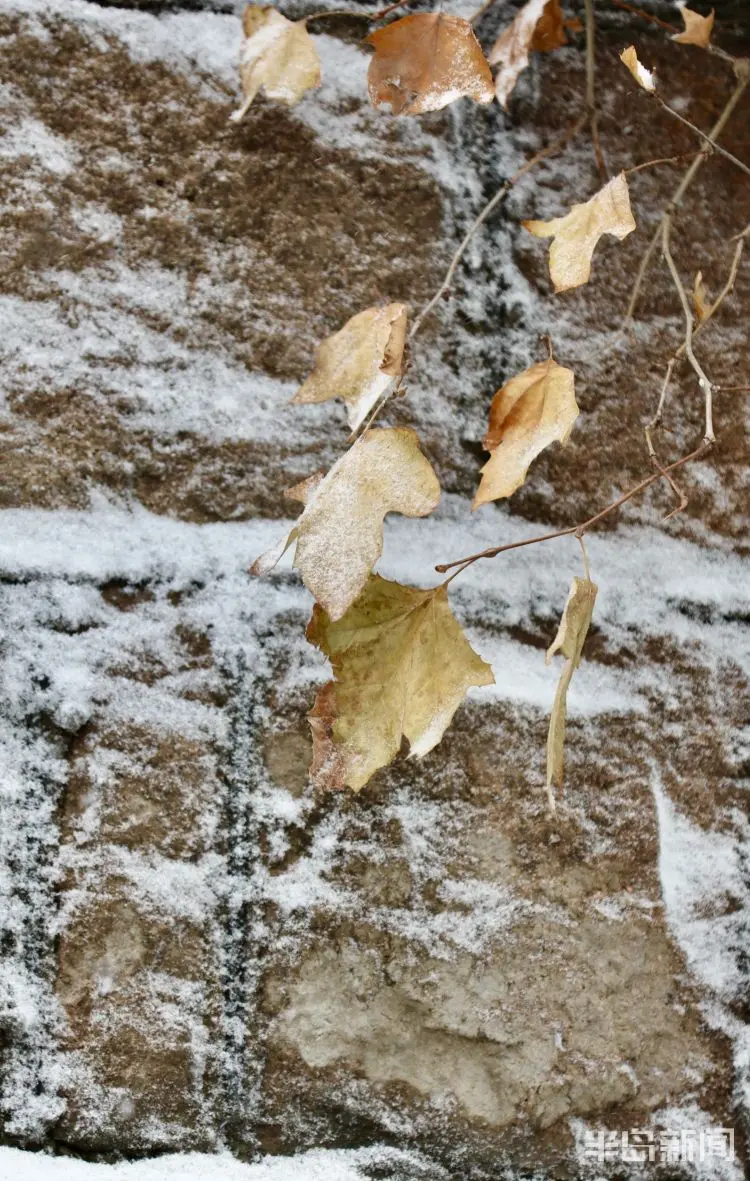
[[646, 16], [682, 188], [588, 6], [708, 139], [653, 163], [703, 381], [732, 389], [485, 213], [679, 353], [576, 530], [682, 500], [355, 14], [657, 419]]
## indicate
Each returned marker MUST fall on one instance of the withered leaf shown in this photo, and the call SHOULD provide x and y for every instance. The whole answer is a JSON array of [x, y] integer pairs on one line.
[[549, 33], [360, 362], [576, 234], [698, 29], [538, 25], [643, 77], [278, 55], [532, 410], [401, 666], [425, 61], [569, 640], [701, 302], [339, 536]]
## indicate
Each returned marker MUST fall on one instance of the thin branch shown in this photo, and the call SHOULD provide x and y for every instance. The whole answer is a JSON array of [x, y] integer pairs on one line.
[[588, 6], [706, 138], [355, 14], [679, 353], [653, 163], [485, 213], [732, 389], [576, 530], [646, 16], [682, 188], [703, 381], [384, 12], [657, 419]]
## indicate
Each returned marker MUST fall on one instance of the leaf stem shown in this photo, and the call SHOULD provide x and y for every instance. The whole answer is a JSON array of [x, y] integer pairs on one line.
[[586, 567]]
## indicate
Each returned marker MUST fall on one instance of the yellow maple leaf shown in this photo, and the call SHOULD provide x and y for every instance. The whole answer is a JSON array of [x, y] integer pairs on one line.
[[576, 234], [401, 667], [360, 362], [643, 77], [570, 638], [339, 536], [278, 55], [425, 61], [532, 410], [697, 29], [538, 25]]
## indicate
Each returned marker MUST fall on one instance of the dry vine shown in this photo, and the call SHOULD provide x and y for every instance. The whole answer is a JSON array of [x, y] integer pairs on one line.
[[401, 662]]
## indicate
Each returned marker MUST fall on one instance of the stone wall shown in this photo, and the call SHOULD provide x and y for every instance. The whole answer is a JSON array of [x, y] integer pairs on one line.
[[197, 951]]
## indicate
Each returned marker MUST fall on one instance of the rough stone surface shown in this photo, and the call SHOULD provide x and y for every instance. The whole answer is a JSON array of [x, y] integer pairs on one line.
[[198, 952]]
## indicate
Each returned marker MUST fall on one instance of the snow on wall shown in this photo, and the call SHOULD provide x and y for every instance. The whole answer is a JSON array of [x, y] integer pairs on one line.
[[61, 639]]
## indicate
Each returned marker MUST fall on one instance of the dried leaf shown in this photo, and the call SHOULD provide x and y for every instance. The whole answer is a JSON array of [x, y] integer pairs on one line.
[[569, 640], [643, 77], [577, 233], [538, 25], [549, 33], [701, 302], [360, 362], [532, 410], [339, 535], [697, 29], [425, 61], [277, 55], [401, 666]]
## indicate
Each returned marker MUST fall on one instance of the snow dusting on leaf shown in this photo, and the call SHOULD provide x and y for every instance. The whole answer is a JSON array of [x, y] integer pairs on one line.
[[340, 533], [643, 77], [278, 55], [538, 25], [401, 667], [576, 234], [425, 61], [360, 362]]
